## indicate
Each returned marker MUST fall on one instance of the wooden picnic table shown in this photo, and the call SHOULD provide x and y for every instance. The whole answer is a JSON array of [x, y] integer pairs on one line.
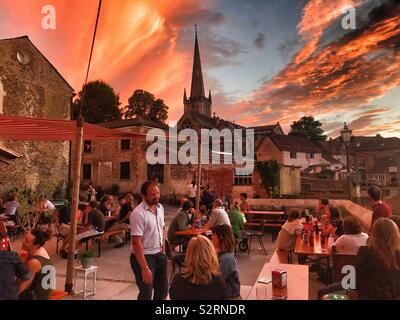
[[297, 282], [271, 213], [317, 249], [191, 232]]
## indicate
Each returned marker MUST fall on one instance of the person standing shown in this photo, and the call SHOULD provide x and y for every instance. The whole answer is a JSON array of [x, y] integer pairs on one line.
[[148, 259], [91, 192], [192, 191], [380, 209]]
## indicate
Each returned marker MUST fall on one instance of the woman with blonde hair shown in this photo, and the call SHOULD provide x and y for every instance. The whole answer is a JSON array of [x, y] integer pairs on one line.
[[200, 278], [378, 263]]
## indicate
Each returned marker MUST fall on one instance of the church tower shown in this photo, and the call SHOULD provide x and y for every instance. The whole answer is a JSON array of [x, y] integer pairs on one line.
[[197, 101]]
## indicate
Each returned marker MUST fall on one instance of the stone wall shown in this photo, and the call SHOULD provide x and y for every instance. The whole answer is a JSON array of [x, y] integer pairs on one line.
[[34, 89]]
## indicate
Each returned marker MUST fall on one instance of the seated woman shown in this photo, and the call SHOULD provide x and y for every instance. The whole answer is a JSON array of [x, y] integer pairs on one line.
[[335, 226], [237, 221], [378, 263], [200, 278], [348, 243], [287, 236], [11, 268], [352, 239], [224, 243], [180, 223], [38, 264]]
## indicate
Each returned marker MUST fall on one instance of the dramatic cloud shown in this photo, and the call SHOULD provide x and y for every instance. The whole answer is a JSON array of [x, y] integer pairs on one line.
[[342, 76], [259, 41]]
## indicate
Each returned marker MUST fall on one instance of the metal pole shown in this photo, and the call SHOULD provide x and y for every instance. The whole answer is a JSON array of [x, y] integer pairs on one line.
[[348, 171], [198, 182], [74, 205]]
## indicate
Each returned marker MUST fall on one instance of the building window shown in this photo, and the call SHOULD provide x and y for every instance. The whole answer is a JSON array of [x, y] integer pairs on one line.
[[155, 172], [87, 171], [311, 155], [87, 146], [293, 155], [246, 180], [125, 170], [125, 144]]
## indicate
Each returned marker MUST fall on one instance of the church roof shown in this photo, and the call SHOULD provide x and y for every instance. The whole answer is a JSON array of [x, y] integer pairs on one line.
[[212, 122], [197, 89]]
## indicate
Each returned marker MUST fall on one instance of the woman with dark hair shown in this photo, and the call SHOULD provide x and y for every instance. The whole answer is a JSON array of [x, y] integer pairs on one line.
[[335, 227], [224, 243], [38, 265], [378, 263], [192, 191]]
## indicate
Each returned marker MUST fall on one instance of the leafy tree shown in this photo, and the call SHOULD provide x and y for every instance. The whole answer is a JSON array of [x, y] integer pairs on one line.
[[308, 127], [143, 104], [101, 103], [270, 176]]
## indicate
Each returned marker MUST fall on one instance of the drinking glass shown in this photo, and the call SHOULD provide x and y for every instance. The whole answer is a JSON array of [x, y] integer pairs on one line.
[[261, 292]]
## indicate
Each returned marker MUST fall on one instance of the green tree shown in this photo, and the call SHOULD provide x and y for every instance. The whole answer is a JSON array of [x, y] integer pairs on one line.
[[270, 176], [308, 127], [101, 103], [143, 104]]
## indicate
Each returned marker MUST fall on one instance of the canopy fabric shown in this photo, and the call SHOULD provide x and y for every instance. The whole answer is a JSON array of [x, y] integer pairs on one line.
[[37, 129]]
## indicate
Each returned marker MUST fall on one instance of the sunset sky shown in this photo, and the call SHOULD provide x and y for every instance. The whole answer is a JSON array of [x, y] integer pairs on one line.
[[264, 60]]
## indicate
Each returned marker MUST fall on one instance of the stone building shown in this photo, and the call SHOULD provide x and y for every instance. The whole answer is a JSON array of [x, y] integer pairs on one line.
[[30, 86]]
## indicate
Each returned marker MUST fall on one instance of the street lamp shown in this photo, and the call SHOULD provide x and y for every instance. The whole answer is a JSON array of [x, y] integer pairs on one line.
[[346, 138]]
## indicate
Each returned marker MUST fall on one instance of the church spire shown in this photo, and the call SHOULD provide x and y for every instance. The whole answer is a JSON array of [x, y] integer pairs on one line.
[[197, 89]]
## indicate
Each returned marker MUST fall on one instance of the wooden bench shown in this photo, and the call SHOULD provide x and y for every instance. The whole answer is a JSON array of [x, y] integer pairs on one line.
[[100, 238], [58, 295]]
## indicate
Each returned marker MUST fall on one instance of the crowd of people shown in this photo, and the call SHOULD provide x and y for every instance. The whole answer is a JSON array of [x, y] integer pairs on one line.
[[210, 268]]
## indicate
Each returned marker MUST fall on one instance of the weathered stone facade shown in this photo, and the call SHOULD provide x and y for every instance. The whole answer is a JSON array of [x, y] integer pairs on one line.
[[32, 87]]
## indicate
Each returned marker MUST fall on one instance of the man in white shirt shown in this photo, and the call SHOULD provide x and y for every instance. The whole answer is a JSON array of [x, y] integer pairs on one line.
[[148, 259], [192, 191], [218, 216]]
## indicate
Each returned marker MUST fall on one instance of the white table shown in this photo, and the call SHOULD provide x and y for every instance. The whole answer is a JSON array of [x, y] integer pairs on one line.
[[86, 272]]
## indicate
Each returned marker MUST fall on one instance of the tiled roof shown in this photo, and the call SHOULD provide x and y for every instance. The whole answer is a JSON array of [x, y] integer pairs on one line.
[[293, 143]]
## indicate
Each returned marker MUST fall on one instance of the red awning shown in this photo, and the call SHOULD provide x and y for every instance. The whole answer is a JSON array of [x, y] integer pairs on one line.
[[36, 129]]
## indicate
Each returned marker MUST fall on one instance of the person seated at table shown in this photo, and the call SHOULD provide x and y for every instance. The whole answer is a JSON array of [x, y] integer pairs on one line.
[[11, 268], [323, 210], [106, 205], [352, 239], [224, 243], [207, 197], [237, 221], [94, 225], [62, 218], [122, 221], [181, 222], [378, 263], [10, 208], [335, 226], [218, 216], [38, 263], [244, 205], [45, 209], [200, 278], [349, 243], [287, 235]]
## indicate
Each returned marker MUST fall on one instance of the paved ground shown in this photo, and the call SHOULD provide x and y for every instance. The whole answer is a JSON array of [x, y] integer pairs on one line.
[[115, 280]]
